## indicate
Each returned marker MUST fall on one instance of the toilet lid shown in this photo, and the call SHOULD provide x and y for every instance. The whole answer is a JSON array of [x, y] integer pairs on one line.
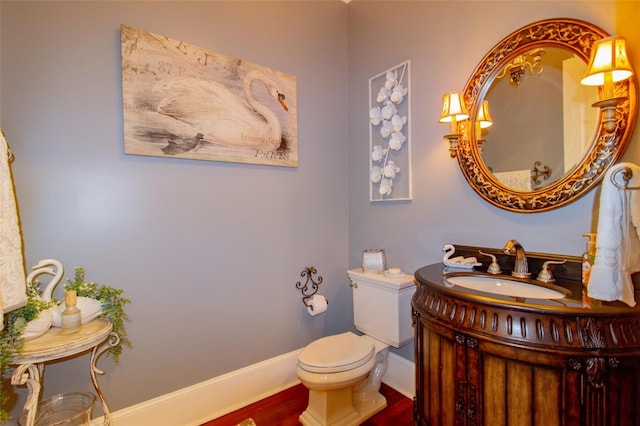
[[336, 353]]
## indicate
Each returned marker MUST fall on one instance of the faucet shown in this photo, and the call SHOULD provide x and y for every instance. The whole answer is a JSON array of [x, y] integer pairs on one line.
[[521, 268]]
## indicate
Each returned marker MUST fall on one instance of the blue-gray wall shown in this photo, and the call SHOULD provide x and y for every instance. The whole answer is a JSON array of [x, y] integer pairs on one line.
[[445, 40], [210, 252]]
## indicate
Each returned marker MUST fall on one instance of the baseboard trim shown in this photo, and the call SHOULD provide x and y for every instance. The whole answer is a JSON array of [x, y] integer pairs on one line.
[[401, 375], [202, 402]]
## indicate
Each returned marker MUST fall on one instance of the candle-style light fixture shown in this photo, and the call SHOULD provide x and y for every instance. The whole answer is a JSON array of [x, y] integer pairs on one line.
[[483, 120], [453, 110], [608, 64], [531, 61]]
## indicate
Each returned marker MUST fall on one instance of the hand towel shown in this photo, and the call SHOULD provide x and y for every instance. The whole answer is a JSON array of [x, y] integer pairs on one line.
[[631, 231], [634, 182], [520, 180], [617, 242], [13, 289]]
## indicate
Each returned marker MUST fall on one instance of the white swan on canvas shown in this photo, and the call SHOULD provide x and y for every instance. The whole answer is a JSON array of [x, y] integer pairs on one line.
[[206, 110]]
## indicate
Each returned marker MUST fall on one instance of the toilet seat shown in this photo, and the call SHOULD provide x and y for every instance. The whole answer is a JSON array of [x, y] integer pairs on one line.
[[337, 353]]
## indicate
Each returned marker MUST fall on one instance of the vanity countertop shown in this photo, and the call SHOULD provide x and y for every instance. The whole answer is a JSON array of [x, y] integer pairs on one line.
[[435, 275], [548, 326]]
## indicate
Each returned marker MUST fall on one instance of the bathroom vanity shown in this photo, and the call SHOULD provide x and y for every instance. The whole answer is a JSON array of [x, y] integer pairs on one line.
[[486, 359]]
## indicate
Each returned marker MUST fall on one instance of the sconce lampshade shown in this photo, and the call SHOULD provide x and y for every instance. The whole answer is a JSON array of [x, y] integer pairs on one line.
[[484, 118], [452, 108], [608, 60]]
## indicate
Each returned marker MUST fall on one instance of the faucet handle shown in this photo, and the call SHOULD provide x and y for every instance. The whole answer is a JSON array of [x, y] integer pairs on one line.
[[494, 268], [545, 274]]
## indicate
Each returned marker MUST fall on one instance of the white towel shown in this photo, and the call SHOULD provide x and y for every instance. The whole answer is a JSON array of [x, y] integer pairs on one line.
[[617, 242], [635, 199], [13, 289], [520, 180]]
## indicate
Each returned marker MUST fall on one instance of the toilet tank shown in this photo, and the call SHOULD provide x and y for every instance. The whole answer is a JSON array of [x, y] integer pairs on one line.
[[382, 306]]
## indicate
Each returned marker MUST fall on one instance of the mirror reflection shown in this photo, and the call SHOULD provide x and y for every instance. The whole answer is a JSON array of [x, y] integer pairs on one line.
[[542, 119], [549, 143]]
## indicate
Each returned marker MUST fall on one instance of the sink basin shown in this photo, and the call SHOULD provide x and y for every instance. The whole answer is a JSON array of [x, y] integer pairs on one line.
[[504, 286]]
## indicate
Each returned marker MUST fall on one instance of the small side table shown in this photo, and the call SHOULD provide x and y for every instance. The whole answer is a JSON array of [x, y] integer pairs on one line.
[[52, 346]]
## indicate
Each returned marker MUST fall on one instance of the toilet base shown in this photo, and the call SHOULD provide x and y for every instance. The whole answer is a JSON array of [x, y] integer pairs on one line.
[[339, 408]]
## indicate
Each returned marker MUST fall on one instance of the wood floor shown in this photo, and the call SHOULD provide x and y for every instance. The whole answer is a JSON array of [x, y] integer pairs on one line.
[[284, 408]]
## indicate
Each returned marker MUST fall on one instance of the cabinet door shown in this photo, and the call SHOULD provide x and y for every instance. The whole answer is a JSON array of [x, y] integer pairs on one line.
[[609, 390], [515, 391], [440, 378]]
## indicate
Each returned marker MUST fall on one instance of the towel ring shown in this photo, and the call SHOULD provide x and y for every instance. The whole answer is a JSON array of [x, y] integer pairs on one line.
[[627, 174]]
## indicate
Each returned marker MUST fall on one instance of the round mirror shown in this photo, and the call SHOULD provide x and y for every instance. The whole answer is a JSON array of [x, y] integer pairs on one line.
[[538, 97], [546, 145]]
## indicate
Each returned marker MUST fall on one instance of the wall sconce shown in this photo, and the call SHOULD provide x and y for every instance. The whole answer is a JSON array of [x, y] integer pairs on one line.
[[516, 68], [608, 64], [453, 110], [483, 120]]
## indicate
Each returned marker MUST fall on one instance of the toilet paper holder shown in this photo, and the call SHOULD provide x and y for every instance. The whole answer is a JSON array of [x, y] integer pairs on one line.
[[310, 286]]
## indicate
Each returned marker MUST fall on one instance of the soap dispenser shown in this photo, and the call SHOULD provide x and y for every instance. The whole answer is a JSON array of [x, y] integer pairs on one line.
[[588, 258]]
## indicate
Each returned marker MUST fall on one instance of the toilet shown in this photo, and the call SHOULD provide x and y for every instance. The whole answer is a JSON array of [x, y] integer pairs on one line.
[[343, 372]]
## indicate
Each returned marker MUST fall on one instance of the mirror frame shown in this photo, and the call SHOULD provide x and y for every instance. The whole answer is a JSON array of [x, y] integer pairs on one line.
[[605, 149]]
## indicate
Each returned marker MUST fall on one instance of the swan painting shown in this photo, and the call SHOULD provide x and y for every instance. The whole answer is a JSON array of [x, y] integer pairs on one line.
[[205, 110], [184, 101]]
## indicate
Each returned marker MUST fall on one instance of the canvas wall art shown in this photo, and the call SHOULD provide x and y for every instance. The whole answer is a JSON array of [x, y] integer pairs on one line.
[[184, 101], [390, 134]]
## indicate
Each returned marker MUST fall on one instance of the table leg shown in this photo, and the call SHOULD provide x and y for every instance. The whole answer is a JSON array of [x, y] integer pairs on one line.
[[30, 375], [114, 340]]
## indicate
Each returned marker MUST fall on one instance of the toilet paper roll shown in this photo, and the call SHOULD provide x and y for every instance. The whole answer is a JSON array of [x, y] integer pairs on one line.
[[317, 305]]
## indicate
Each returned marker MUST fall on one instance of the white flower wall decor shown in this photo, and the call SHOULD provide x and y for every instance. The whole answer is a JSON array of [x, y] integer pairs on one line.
[[389, 134]]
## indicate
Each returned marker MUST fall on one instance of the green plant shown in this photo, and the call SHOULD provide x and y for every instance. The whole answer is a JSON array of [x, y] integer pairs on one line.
[[112, 307]]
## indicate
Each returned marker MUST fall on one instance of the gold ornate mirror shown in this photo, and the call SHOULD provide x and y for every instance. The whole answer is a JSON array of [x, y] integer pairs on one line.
[[545, 132]]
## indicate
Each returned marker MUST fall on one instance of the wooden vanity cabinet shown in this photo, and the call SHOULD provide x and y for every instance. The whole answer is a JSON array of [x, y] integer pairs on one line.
[[479, 362]]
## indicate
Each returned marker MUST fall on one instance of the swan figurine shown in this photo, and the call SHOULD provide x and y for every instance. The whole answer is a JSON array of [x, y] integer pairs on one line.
[[42, 323], [89, 308], [203, 110], [45, 267], [38, 326], [458, 261]]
